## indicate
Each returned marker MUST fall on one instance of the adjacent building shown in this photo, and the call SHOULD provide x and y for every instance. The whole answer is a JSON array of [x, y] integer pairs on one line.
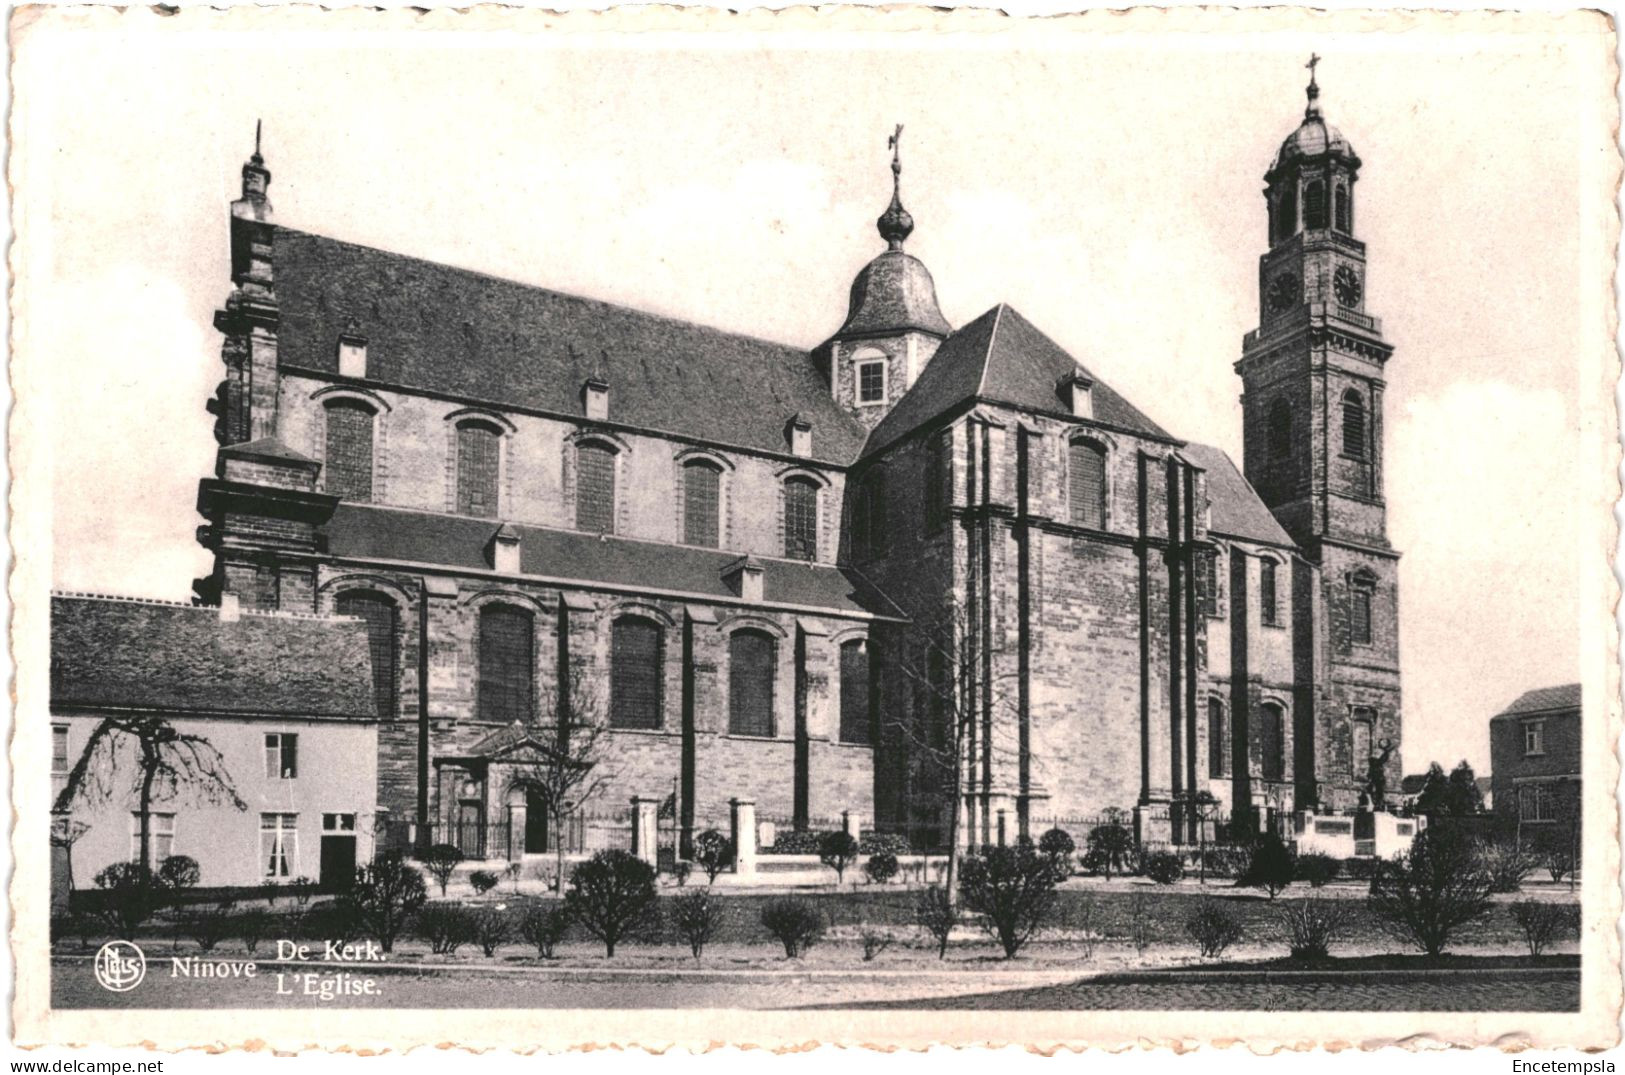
[[1535, 761], [800, 576], [278, 705]]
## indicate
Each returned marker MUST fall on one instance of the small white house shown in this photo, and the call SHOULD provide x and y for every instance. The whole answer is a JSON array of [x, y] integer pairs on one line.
[[281, 706]]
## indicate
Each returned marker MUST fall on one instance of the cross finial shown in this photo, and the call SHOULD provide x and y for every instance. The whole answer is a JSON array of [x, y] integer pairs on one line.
[[894, 143], [895, 223], [257, 158], [1313, 90], [1313, 60]]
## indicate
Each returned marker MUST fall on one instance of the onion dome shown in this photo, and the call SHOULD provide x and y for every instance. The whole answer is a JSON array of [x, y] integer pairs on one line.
[[1314, 135], [894, 292]]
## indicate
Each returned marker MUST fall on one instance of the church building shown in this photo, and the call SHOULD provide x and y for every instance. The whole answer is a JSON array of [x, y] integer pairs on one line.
[[810, 577]]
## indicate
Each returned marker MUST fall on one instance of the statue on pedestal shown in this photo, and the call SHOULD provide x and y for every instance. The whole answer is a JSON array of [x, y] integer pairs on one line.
[[1376, 779]]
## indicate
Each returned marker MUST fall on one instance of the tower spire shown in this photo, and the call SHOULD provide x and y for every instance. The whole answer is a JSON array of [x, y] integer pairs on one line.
[[895, 224], [256, 181], [1313, 90]]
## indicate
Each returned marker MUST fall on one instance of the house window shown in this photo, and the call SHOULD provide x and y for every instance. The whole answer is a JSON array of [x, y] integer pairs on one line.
[[1360, 613], [160, 837], [872, 382], [1354, 437], [752, 661], [1314, 206], [1207, 580], [507, 667], [1269, 611], [1535, 803], [479, 448], [281, 756], [338, 823], [1280, 429], [59, 748], [279, 846], [348, 469], [635, 666], [1361, 720], [855, 691], [1340, 210], [595, 489], [382, 619], [1217, 759], [1087, 474], [1272, 741], [801, 519], [1534, 737], [702, 487]]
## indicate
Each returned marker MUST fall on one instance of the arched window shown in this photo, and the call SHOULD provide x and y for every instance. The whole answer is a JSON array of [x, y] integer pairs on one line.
[[1280, 428], [595, 488], [636, 683], [801, 519], [1272, 741], [855, 691], [479, 451], [1218, 761], [1314, 206], [702, 493], [1360, 590], [752, 661], [507, 665], [383, 643], [1269, 605], [1340, 210], [1286, 216], [1354, 438], [1086, 471], [347, 471]]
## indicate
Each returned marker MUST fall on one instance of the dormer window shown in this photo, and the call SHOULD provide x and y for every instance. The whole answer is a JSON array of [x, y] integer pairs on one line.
[[505, 550], [1077, 392], [799, 433], [352, 356], [871, 382], [595, 399]]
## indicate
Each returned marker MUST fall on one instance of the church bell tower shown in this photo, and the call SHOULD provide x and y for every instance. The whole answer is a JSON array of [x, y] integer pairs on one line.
[[1312, 405]]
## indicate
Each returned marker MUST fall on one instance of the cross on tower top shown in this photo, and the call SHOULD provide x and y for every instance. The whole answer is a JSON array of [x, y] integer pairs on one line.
[[1313, 89]]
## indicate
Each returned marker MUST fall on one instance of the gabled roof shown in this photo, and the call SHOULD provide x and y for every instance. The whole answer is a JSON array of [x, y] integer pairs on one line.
[[149, 655], [1237, 510], [365, 531], [1544, 700], [1002, 358], [462, 333]]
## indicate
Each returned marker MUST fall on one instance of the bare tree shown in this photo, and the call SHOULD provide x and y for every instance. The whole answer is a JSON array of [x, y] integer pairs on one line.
[[65, 832], [567, 770], [170, 765], [965, 691]]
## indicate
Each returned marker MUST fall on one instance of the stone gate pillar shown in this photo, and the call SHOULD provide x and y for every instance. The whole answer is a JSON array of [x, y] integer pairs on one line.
[[645, 831], [742, 813]]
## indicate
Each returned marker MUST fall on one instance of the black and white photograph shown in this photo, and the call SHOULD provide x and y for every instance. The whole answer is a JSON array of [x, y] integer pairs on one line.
[[888, 528]]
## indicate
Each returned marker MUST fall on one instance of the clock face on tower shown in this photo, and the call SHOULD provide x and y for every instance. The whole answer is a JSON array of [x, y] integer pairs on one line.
[[1346, 284], [1283, 292]]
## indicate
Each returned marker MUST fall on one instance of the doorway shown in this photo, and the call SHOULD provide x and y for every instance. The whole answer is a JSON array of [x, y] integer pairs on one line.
[[535, 821], [338, 852]]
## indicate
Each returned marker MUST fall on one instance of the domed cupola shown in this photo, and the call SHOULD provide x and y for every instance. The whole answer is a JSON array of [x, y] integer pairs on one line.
[[1310, 184], [893, 323]]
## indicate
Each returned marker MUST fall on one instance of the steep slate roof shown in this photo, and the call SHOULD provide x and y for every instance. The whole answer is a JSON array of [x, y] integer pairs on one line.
[[450, 330], [1001, 357], [370, 532], [107, 652], [1544, 699], [1237, 510]]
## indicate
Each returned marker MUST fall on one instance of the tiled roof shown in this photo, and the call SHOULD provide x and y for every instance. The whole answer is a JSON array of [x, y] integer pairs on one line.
[[1003, 358], [152, 655], [462, 333], [892, 293], [1545, 699], [1237, 510], [363, 531]]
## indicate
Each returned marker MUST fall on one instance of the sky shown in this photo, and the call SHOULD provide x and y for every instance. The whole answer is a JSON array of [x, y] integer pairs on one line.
[[1108, 186]]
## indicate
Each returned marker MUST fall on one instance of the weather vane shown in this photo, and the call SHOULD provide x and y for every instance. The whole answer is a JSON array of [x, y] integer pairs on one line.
[[894, 143]]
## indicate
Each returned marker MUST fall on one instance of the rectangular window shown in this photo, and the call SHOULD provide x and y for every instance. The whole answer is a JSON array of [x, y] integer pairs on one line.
[[1361, 720], [338, 823], [59, 748], [1360, 616], [855, 692], [1207, 581], [872, 382], [595, 489], [1268, 608], [347, 471], [800, 519], [702, 485], [160, 837], [1534, 737], [936, 486], [281, 755], [479, 454], [279, 846], [1535, 803]]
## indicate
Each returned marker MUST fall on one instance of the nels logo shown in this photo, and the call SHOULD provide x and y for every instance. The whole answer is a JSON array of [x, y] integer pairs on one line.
[[120, 966]]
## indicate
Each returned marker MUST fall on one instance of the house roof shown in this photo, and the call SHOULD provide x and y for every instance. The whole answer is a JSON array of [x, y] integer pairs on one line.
[[1002, 358], [363, 531], [1237, 512], [458, 332], [1544, 700], [149, 655]]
